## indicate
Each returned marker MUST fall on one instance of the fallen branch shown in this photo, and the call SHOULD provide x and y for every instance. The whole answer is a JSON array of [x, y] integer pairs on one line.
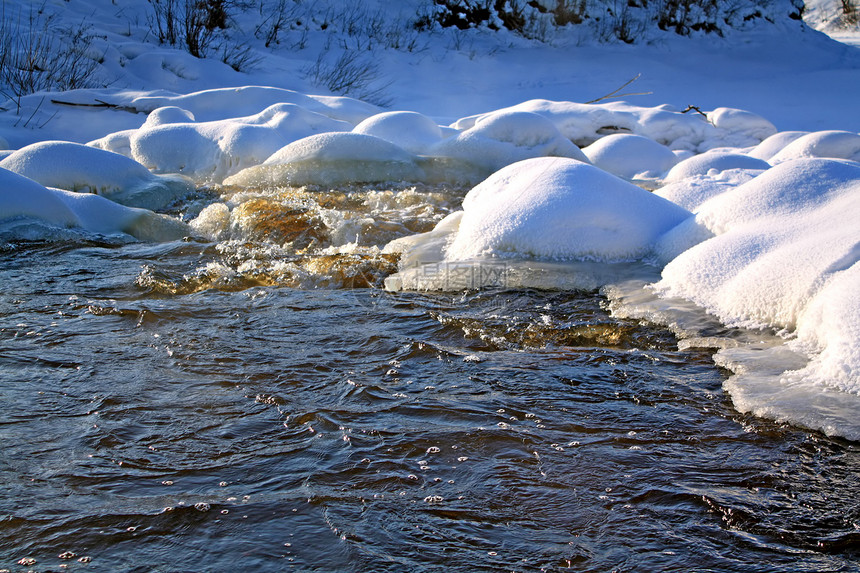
[[99, 104], [615, 94]]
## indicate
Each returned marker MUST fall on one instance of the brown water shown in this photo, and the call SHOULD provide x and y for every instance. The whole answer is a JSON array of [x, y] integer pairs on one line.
[[255, 404]]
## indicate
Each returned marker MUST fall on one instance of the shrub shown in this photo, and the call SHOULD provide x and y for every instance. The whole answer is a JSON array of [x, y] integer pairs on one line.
[[38, 55]]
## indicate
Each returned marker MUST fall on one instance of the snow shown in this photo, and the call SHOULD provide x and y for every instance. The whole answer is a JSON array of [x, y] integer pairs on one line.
[[211, 151], [410, 130], [631, 156], [86, 169], [332, 159], [560, 209], [23, 202], [750, 142], [835, 144], [713, 162]]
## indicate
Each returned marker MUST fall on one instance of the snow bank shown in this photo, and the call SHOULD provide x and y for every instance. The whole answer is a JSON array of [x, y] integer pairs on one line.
[[210, 151], [23, 201], [332, 159], [785, 257], [225, 103], [76, 167], [631, 156], [586, 123], [692, 191]]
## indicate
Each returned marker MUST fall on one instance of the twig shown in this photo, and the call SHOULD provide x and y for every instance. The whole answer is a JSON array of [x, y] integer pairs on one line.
[[696, 109], [32, 115], [614, 93]]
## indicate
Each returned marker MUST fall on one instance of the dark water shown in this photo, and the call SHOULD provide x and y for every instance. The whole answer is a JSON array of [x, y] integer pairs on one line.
[[273, 428]]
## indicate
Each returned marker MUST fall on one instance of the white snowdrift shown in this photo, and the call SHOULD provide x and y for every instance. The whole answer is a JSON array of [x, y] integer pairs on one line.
[[561, 209], [23, 202], [833, 144], [713, 163], [785, 257], [76, 167]]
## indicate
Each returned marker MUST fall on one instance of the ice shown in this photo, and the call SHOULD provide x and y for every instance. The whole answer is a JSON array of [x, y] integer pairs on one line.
[[631, 156], [77, 167], [23, 200]]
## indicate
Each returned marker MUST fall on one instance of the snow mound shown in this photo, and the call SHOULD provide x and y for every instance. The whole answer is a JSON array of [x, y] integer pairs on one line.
[[81, 168], [554, 208], [631, 156], [502, 138], [23, 201], [774, 144], [713, 163], [691, 192], [586, 123], [832, 144], [223, 103], [168, 114], [785, 257], [210, 151], [412, 131], [332, 159]]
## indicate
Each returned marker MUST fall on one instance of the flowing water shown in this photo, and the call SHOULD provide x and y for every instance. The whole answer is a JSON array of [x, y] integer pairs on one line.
[[257, 402]]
